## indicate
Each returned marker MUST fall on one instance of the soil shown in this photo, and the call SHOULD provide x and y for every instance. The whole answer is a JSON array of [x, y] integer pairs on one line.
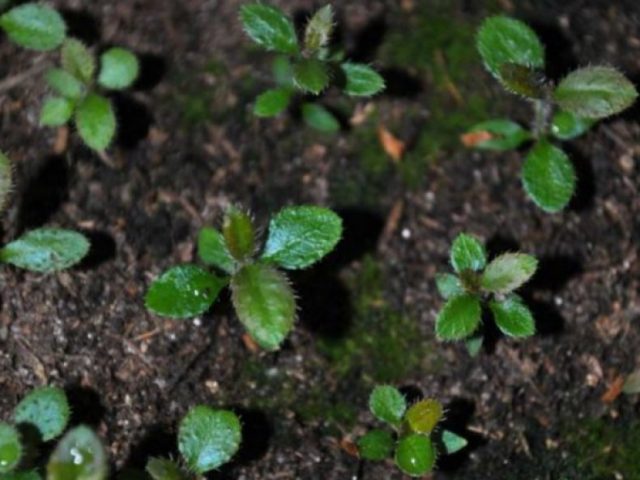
[[189, 146]]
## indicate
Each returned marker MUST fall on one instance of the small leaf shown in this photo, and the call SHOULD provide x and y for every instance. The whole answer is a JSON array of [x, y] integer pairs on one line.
[[362, 80], [566, 126], [119, 68], [56, 111], [319, 118], [448, 285], [310, 75], [46, 409], [595, 92], [508, 272], [548, 177], [499, 135], [96, 121], [6, 179], [34, 26], [269, 28], [183, 291], [415, 455], [318, 31], [208, 438], [272, 102], [525, 81], [78, 456], [300, 236], [164, 469], [459, 317], [632, 383], [467, 253], [10, 448], [453, 442], [46, 250], [238, 232], [212, 250], [424, 415], [78, 60], [474, 344], [503, 40], [375, 445], [282, 71], [513, 317], [387, 404], [65, 84], [264, 303]]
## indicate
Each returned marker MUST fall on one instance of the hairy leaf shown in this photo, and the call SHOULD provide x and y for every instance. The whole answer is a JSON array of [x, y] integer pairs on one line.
[[212, 250], [78, 60], [448, 285], [525, 81], [424, 415], [499, 135], [319, 118], [65, 84], [164, 469], [310, 75], [34, 26], [508, 272], [459, 317], [10, 448], [96, 121], [467, 253], [375, 445], [238, 232], [56, 111], [119, 68], [387, 404], [362, 80], [513, 317], [567, 126], [46, 409], [269, 27], [80, 455], [272, 102], [415, 455], [318, 31]]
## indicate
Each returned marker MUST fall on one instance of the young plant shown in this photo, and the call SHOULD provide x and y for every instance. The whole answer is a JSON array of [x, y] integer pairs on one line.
[[307, 66], [413, 436], [476, 284], [262, 297], [514, 55]]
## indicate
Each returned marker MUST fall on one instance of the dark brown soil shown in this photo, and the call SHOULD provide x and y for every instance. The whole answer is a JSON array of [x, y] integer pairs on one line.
[[189, 147]]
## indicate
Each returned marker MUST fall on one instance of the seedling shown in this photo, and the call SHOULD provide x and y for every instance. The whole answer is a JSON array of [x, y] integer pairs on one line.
[[514, 55], [413, 436], [476, 284], [262, 297], [308, 66]]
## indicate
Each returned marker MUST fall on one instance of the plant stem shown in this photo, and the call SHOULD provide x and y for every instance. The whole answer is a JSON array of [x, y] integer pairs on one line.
[[542, 111]]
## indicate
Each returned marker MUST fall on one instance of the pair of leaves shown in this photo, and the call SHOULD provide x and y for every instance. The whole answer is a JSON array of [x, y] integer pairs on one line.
[[34, 26]]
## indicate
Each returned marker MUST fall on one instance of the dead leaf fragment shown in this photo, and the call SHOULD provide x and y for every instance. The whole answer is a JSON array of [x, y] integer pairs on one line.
[[250, 344], [393, 146], [614, 390], [471, 139], [349, 446]]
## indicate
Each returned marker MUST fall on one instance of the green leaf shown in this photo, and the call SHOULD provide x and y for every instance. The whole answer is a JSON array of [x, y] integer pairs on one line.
[[415, 455], [24, 475], [45, 408], [566, 126], [508, 272], [362, 80], [318, 31], [310, 75], [208, 438], [300, 236], [459, 317], [525, 81], [10, 448], [264, 303], [474, 344], [375, 445], [119, 68], [272, 102], [424, 415], [513, 317], [548, 177], [56, 111], [6, 179], [239, 234], [319, 118], [164, 469], [212, 250], [269, 28], [387, 404], [65, 84], [34, 26], [595, 92], [467, 253], [78, 456], [282, 71], [453, 442], [96, 121], [183, 291], [46, 250], [632, 383], [501, 135], [448, 285], [503, 40], [78, 60]]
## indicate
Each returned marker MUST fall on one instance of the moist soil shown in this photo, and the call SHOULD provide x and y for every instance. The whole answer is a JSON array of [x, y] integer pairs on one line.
[[188, 147]]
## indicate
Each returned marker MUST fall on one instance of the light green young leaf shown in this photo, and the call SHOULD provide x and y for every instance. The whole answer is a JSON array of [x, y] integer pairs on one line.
[[300, 236], [80, 455], [10, 448], [65, 84], [362, 80], [78, 60], [387, 404], [474, 344], [632, 383], [319, 118], [212, 250], [513, 317], [264, 303], [375, 445], [183, 291], [272, 102], [6, 179], [239, 234], [467, 253], [46, 250], [595, 92], [164, 469], [96, 121], [548, 177], [46, 409], [501, 135], [566, 126], [310, 75], [448, 285], [459, 317], [34, 26], [208, 438], [423, 416], [56, 111], [415, 455], [508, 272], [269, 28], [453, 442], [119, 68], [318, 31]]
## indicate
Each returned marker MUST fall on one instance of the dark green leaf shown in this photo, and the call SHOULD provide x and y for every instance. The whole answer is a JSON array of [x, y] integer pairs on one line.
[[183, 291], [65, 84], [24, 475], [34, 26], [239, 235], [56, 111], [423, 416], [119, 68], [46, 409], [500, 135], [78, 456], [548, 177], [269, 27], [319, 118], [595, 92], [362, 80], [508, 272], [387, 404], [318, 31], [467, 253], [96, 121], [300, 236], [78, 60], [212, 250], [448, 285], [459, 317], [513, 317], [10, 448], [264, 303], [375, 445], [415, 455], [46, 250], [208, 438], [525, 81], [272, 102], [164, 469], [310, 75], [453, 442], [567, 126]]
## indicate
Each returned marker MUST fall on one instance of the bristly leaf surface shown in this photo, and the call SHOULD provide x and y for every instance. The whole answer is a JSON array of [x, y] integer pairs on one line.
[[269, 28]]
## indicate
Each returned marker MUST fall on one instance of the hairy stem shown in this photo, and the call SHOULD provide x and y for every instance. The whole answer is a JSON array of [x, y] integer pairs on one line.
[[542, 113]]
